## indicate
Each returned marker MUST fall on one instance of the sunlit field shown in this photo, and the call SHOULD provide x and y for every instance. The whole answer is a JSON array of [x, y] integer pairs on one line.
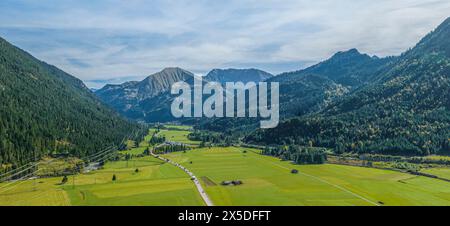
[[266, 181], [269, 181], [178, 136]]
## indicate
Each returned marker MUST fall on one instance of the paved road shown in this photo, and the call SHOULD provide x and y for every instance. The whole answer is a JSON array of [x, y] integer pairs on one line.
[[200, 189]]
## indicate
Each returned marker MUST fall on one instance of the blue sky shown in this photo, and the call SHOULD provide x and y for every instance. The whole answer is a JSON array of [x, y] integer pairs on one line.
[[117, 40]]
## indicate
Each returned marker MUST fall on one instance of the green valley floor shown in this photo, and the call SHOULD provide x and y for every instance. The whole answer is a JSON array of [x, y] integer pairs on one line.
[[269, 181], [266, 181]]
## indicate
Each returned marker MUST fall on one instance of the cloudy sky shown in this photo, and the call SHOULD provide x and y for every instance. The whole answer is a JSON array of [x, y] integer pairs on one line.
[[116, 40]]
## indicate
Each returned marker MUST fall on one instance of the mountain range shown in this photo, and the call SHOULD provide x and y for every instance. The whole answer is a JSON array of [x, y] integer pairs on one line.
[[404, 108], [149, 100], [351, 102]]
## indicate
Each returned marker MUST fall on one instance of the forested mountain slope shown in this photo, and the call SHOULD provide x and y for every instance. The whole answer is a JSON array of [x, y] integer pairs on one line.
[[314, 88], [44, 110], [404, 110]]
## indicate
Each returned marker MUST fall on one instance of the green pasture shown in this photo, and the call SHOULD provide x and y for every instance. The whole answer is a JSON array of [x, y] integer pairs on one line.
[[178, 136], [178, 127], [266, 181], [269, 181], [155, 184], [441, 172]]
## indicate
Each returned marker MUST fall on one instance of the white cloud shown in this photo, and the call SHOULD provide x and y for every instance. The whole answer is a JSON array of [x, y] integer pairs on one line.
[[119, 38]]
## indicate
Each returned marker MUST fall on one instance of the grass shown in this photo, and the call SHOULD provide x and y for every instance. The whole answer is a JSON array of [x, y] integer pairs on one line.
[[439, 171], [178, 127], [45, 192], [268, 181], [155, 184], [437, 157], [178, 136]]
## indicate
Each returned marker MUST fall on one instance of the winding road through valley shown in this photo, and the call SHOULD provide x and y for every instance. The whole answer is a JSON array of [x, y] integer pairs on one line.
[[194, 179]]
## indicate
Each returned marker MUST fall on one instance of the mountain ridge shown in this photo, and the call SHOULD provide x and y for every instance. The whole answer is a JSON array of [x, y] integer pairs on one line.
[[405, 110], [149, 100]]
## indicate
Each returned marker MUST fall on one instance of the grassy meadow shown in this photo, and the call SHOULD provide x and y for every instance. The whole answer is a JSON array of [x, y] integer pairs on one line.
[[269, 181], [155, 184], [178, 136], [178, 127], [266, 181], [439, 171]]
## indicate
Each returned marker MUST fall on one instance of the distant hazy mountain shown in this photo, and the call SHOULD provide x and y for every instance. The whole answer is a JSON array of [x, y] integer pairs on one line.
[[237, 75], [405, 109], [45, 110], [153, 85], [149, 100], [127, 98], [314, 88]]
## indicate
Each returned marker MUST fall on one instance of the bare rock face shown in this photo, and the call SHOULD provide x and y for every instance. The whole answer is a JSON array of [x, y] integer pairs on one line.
[[128, 98]]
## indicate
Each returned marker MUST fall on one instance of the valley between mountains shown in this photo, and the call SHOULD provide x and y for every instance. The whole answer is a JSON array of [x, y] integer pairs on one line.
[[355, 130]]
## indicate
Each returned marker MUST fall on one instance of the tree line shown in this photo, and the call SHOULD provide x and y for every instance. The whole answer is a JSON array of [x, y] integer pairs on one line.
[[297, 154]]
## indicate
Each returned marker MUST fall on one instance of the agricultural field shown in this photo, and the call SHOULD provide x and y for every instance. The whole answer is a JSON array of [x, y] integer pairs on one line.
[[178, 136], [441, 172], [266, 181], [269, 181], [178, 127], [156, 183]]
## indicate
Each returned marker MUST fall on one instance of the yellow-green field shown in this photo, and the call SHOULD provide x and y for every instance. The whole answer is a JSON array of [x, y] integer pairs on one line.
[[438, 157], [440, 172], [156, 183], [178, 136], [43, 192], [178, 127], [268, 181]]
